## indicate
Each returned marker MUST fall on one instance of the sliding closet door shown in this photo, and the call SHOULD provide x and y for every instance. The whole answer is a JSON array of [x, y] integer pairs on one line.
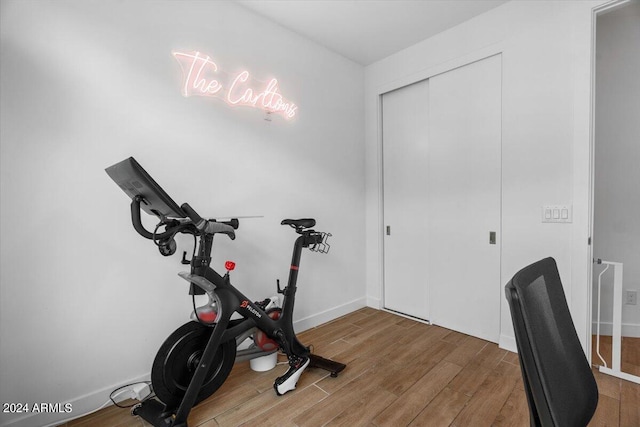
[[404, 134], [464, 198]]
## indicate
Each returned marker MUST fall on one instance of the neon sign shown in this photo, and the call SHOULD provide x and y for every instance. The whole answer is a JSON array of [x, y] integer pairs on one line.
[[202, 78]]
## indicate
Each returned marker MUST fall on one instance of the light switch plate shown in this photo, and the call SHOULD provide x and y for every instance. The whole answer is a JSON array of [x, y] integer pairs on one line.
[[557, 213]]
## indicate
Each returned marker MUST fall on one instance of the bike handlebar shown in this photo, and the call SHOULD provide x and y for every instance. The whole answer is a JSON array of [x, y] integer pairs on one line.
[[137, 221], [175, 226], [206, 226]]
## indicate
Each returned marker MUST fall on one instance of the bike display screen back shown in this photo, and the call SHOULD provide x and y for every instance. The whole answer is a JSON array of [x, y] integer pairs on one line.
[[135, 181]]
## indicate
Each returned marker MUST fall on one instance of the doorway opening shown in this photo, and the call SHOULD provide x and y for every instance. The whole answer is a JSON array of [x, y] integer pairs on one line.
[[615, 192]]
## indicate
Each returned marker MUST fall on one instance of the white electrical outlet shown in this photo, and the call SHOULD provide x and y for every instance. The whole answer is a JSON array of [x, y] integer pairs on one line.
[[631, 297]]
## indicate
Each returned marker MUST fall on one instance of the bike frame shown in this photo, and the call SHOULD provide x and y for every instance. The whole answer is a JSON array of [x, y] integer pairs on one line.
[[230, 300]]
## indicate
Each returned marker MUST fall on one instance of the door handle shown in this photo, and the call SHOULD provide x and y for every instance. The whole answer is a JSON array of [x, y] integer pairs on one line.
[[492, 237], [388, 230]]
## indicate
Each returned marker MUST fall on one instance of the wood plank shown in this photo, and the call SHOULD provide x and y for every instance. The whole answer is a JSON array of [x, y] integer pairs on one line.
[[478, 369], [490, 355], [607, 413], [454, 337], [332, 350], [404, 375], [515, 411], [332, 332], [359, 336], [220, 402], [629, 404], [512, 358], [486, 403], [417, 331], [354, 369], [386, 343], [378, 319], [429, 341], [470, 379], [607, 384], [362, 411], [341, 399], [466, 350], [252, 407], [442, 410], [631, 350], [209, 423], [283, 412], [408, 323], [418, 396]]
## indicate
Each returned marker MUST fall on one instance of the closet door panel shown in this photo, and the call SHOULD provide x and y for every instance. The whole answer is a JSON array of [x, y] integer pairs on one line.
[[404, 133], [464, 198]]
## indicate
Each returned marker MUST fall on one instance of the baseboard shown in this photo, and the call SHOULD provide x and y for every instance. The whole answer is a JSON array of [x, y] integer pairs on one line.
[[631, 330], [97, 400], [79, 407], [374, 303], [508, 343], [328, 315]]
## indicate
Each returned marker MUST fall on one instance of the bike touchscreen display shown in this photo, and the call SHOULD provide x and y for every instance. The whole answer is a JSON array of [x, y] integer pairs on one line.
[[135, 181]]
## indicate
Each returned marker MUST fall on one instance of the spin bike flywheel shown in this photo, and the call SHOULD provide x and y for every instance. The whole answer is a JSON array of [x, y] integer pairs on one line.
[[178, 359]]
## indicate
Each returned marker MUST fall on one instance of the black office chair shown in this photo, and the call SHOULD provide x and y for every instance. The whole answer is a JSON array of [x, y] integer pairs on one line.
[[560, 387]]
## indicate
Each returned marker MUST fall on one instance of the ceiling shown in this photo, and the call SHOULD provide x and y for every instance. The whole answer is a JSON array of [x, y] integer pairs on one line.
[[366, 31]]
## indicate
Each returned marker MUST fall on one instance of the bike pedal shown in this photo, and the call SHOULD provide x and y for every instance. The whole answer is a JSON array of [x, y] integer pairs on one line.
[[288, 381]]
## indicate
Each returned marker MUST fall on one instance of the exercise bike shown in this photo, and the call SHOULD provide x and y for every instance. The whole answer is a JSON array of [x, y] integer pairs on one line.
[[197, 358]]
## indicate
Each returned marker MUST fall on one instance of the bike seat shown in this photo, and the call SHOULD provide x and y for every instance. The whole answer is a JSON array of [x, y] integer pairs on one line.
[[299, 223]]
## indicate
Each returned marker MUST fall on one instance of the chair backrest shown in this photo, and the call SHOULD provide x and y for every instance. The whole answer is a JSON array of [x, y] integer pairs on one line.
[[560, 387]]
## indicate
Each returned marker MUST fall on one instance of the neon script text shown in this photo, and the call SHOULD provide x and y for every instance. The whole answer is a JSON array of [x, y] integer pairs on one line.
[[203, 78]]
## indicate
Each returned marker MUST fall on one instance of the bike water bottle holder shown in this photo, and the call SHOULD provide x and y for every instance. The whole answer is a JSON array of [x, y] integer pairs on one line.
[[318, 242]]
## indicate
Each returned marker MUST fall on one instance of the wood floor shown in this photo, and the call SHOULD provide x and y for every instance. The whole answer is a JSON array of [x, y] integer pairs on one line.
[[399, 373], [629, 349]]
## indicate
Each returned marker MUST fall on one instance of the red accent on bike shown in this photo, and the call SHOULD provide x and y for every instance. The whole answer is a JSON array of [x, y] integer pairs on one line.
[[262, 340], [229, 265], [244, 304], [208, 316], [294, 267]]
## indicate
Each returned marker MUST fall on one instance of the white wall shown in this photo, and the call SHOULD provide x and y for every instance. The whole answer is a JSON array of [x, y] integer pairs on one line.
[[85, 301], [617, 156], [545, 141]]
